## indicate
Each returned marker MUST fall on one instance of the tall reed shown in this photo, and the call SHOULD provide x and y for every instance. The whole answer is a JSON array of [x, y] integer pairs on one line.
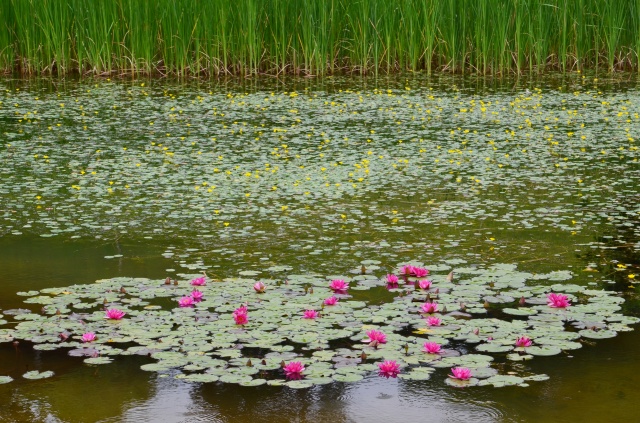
[[249, 37]]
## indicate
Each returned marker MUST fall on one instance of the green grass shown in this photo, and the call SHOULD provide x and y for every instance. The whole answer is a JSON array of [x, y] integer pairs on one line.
[[314, 37]]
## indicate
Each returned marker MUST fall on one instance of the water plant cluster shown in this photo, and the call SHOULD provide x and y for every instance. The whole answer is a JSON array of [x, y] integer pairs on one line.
[[286, 332], [445, 171], [187, 37], [260, 182]]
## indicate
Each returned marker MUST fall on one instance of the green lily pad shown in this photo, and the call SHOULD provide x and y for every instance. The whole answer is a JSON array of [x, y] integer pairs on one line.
[[35, 374], [597, 334]]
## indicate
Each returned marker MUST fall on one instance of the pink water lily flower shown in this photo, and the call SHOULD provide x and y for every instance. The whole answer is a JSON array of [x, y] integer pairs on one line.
[[432, 347], [259, 287], [241, 315], [429, 307], [558, 300], [389, 368], [424, 284], [419, 272], [185, 302], [197, 295], [376, 337], [392, 279], [460, 373], [114, 314], [339, 285], [293, 370], [433, 321], [88, 337], [331, 301], [406, 269], [523, 342], [310, 314], [199, 281]]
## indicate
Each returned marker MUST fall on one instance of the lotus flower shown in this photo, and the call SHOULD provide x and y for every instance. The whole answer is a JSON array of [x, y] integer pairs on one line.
[[196, 295], [185, 302], [199, 281], [331, 300], [88, 337], [259, 287], [392, 279], [114, 314], [429, 308], [432, 347], [558, 300], [310, 314], [339, 285], [376, 337], [433, 321], [424, 284], [523, 342], [240, 315], [460, 373], [389, 368], [419, 272], [293, 370]]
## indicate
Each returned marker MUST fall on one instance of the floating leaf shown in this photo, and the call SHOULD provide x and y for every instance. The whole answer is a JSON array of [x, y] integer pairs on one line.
[[35, 374]]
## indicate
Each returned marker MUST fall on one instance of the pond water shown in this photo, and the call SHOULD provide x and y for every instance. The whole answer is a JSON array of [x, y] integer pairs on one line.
[[518, 187]]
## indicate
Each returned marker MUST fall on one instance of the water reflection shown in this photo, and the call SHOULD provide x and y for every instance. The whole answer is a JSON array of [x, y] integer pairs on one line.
[[375, 400], [173, 401], [278, 404], [76, 393]]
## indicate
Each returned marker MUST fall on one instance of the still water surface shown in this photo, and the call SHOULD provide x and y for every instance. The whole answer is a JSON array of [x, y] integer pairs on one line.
[[154, 179]]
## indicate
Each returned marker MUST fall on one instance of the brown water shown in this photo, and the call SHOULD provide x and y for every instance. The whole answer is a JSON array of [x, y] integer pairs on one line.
[[524, 217]]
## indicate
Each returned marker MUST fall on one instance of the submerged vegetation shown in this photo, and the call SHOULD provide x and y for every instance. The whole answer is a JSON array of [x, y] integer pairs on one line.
[[311, 37]]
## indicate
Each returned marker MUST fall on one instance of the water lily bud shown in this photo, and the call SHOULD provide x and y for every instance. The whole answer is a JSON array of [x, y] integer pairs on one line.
[[167, 281], [522, 301], [249, 364]]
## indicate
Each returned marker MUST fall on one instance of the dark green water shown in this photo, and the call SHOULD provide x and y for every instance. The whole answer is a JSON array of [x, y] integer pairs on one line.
[[363, 170]]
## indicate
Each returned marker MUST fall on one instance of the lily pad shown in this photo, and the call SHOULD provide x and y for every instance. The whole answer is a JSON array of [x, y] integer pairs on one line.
[[35, 374]]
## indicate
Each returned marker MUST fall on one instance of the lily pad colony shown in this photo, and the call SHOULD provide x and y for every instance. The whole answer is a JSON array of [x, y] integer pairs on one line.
[[326, 334], [341, 185]]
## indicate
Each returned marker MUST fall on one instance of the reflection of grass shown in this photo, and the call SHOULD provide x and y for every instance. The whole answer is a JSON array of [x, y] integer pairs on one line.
[[316, 36]]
